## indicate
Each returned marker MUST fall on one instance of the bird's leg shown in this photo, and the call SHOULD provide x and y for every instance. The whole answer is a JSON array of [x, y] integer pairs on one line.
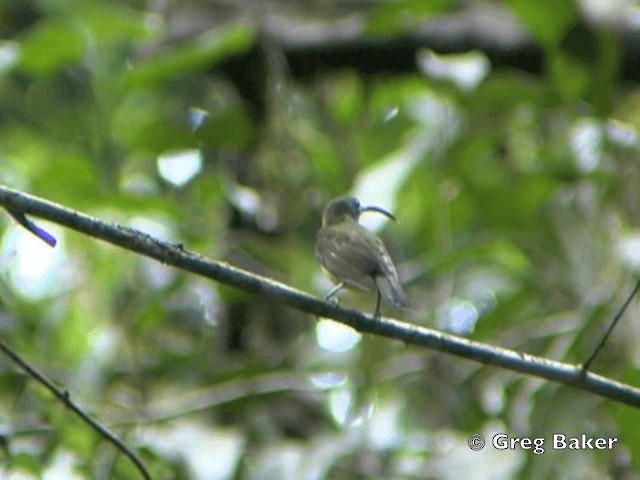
[[376, 315], [332, 293]]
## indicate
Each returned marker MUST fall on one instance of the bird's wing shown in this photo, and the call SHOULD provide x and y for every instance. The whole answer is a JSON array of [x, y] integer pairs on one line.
[[346, 254], [386, 278], [359, 258], [392, 291]]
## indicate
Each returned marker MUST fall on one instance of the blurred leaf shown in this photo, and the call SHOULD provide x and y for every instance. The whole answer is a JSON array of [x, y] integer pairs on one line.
[[547, 20], [345, 98], [71, 340], [399, 16], [570, 77], [209, 48], [593, 54], [507, 89], [151, 317], [500, 253], [627, 420], [320, 151], [76, 436], [110, 21], [25, 463], [389, 116], [49, 46]]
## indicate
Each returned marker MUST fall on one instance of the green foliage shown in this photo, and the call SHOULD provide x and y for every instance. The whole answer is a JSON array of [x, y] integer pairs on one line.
[[517, 203], [396, 17], [64, 47], [547, 20], [205, 51]]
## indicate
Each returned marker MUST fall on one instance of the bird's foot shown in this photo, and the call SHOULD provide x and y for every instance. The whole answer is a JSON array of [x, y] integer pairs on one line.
[[332, 296], [376, 314], [333, 299]]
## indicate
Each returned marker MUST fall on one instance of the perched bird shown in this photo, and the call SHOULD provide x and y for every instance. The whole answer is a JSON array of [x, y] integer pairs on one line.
[[356, 256]]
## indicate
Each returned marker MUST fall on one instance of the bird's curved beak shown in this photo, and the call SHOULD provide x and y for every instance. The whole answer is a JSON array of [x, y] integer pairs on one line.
[[379, 210]]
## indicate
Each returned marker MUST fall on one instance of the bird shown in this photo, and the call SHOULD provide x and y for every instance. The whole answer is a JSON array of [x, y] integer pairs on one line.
[[355, 256]]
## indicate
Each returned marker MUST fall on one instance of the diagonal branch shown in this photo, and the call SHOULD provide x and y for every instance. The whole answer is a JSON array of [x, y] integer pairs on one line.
[[177, 256], [65, 398], [32, 227], [614, 322]]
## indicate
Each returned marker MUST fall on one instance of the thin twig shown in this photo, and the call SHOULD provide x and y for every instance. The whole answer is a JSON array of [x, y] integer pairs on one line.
[[585, 365], [64, 396], [179, 257], [33, 228], [196, 401]]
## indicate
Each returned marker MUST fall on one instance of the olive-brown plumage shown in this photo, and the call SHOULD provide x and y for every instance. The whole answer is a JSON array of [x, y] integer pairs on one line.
[[356, 256]]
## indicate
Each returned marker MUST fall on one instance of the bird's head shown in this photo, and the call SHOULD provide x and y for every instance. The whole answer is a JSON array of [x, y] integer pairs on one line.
[[347, 208]]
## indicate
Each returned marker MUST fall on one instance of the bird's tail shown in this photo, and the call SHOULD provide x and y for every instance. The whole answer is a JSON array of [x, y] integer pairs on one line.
[[392, 291]]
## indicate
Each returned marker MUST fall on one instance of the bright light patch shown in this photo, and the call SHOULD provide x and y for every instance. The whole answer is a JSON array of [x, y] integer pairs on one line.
[[155, 227], [104, 343], [622, 134], [153, 22], [458, 316], [493, 398], [140, 185], [157, 275], [391, 114], [324, 381], [246, 199], [384, 426], [178, 168], [378, 186], [209, 301], [32, 265], [209, 453], [9, 55], [339, 405], [466, 70], [197, 117], [62, 467], [629, 250], [586, 143], [336, 337], [452, 458]]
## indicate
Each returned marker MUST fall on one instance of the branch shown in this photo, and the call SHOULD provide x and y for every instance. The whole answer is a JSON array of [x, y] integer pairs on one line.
[[33, 228], [176, 255], [64, 397], [614, 322], [222, 393]]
